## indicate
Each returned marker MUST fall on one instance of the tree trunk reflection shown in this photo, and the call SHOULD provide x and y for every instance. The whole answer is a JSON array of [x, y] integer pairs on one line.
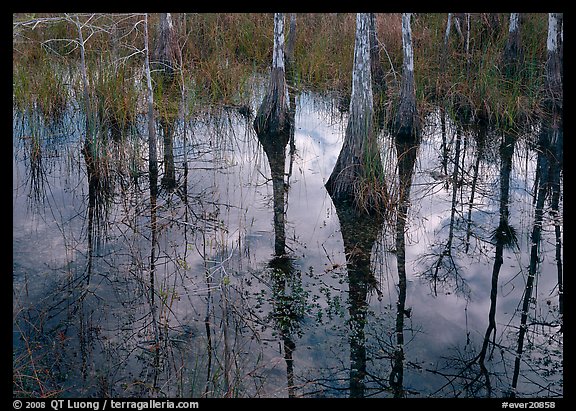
[[406, 151], [359, 232]]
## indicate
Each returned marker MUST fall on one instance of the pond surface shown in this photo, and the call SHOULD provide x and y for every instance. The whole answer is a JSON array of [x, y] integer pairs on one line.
[[120, 293]]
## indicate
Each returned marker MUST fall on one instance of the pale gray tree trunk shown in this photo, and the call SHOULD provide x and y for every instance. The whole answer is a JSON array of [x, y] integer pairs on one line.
[[467, 44], [166, 53], [458, 25], [359, 165], [272, 118], [554, 61], [407, 117], [444, 55], [153, 156], [273, 127], [513, 53], [554, 107]]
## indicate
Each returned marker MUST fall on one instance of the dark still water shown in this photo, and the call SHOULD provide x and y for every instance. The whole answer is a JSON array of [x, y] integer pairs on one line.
[[119, 292]]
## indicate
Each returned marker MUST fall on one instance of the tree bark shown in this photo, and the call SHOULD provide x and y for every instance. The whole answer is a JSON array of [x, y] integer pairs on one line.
[[272, 122], [554, 63], [407, 117], [359, 164], [513, 53], [166, 55], [153, 156]]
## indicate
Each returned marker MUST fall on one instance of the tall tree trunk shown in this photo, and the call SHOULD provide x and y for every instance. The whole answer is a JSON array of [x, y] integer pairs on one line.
[[166, 55], [406, 125], [153, 156], [377, 72], [513, 52], [554, 107], [273, 126], [358, 168], [273, 134], [444, 55], [468, 45], [554, 65], [272, 121]]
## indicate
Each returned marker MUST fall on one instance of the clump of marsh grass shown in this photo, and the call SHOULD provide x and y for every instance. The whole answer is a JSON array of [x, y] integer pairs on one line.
[[116, 96], [43, 88], [470, 79], [372, 195], [505, 235]]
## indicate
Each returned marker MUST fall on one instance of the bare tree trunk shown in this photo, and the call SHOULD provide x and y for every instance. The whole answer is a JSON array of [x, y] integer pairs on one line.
[[85, 87], [273, 126], [554, 107], [554, 63], [89, 149], [468, 45], [272, 120], [153, 156], [446, 39], [513, 53], [359, 166], [166, 54], [456, 20], [407, 117]]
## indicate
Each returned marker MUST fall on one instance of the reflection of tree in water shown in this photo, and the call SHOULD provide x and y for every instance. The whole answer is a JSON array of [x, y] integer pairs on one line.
[[550, 157], [274, 125], [472, 378], [359, 232], [441, 265], [406, 150], [287, 293], [504, 236]]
